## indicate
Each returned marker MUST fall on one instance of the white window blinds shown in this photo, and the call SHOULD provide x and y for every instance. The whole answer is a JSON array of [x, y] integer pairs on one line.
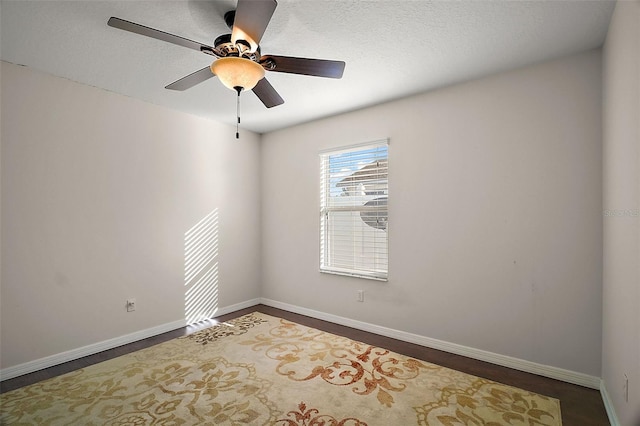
[[353, 211]]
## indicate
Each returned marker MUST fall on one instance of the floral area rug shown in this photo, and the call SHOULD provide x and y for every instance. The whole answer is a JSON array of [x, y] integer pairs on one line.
[[262, 370]]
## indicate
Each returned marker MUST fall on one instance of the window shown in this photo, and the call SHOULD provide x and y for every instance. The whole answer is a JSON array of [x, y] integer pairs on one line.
[[353, 211]]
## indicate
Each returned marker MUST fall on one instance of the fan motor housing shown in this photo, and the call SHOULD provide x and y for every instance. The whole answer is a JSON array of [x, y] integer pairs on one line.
[[242, 49]]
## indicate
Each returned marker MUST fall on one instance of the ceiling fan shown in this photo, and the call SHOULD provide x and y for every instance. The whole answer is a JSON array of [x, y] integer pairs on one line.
[[240, 64]]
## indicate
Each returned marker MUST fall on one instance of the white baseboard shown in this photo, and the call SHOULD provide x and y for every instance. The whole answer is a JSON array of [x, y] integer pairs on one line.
[[494, 358], [242, 305], [503, 360], [608, 405], [50, 361]]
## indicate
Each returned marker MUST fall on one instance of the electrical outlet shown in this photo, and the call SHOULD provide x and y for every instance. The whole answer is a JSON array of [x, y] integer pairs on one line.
[[360, 295], [131, 305]]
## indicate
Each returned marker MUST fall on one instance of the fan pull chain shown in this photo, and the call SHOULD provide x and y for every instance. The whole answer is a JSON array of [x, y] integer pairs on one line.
[[238, 89]]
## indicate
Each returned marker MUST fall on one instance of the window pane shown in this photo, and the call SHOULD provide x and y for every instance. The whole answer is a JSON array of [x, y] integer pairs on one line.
[[354, 196]]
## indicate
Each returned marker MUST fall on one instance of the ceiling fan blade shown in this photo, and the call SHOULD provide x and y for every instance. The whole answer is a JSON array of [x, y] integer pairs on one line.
[[305, 66], [191, 80], [159, 35], [251, 19], [267, 94]]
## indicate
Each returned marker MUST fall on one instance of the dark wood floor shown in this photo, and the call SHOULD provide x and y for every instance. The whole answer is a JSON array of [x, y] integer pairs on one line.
[[580, 406]]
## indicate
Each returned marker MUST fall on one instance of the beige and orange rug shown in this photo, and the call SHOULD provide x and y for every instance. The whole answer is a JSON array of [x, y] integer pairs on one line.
[[262, 370]]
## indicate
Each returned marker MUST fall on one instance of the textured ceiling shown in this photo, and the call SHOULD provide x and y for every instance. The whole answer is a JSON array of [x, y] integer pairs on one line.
[[392, 48]]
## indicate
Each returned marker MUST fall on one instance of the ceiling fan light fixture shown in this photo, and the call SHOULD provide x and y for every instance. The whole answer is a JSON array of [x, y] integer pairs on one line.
[[236, 72]]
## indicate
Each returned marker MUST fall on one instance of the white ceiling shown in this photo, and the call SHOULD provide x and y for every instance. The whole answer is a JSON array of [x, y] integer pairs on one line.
[[392, 48]]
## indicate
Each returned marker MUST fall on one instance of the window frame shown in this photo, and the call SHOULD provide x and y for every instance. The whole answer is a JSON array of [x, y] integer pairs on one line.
[[326, 210]]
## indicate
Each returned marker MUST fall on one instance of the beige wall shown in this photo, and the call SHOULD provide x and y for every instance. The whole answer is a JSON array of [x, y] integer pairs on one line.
[[495, 206], [621, 202], [494, 214], [98, 191]]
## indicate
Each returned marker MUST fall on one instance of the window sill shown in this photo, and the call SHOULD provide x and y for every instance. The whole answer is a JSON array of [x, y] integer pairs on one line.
[[354, 274]]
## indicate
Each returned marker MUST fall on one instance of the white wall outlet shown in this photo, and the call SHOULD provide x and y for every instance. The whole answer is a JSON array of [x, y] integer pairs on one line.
[[360, 295], [131, 305]]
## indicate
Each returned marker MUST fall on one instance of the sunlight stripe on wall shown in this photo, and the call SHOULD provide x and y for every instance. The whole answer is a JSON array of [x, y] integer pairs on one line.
[[201, 269]]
